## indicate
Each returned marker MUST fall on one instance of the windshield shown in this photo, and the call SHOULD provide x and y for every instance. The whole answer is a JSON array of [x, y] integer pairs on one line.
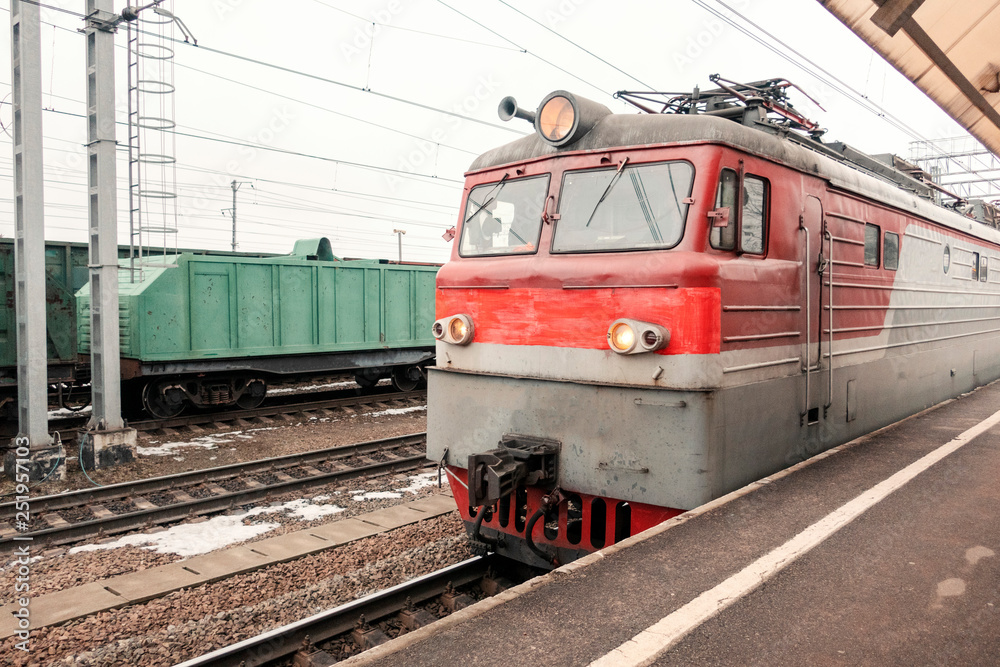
[[642, 207], [504, 218]]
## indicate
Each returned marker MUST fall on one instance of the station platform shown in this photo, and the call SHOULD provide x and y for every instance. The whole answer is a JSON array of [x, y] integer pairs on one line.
[[883, 551]]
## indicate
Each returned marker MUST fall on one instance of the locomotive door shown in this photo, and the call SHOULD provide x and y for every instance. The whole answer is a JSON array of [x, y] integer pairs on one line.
[[811, 230]]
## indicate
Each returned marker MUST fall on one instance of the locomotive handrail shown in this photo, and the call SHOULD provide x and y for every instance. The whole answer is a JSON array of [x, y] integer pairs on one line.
[[829, 235], [807, 369], [620, 286], [473, 286]]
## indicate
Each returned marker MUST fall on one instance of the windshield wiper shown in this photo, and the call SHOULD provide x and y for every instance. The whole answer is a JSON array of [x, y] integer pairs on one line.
[[611, 184], [493, 194]]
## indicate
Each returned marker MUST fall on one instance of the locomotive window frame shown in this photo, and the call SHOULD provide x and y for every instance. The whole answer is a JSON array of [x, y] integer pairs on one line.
[[873, 234], [727, 191], [469, 212], [683, 199], [890, 251], [765, 206], [979, 263], [730, 189]]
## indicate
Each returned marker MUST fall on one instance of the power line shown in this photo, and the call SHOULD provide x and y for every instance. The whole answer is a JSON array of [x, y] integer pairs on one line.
[[275, 94], [567, 39], [204, 170], [316, 77], [55, 9], [419, 32], [535, 55], [360, 165], [321, 108], [853, 95]]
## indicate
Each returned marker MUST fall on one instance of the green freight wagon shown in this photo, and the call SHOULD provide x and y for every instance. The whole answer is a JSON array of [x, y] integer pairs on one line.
[[214, 330], [65, 273]]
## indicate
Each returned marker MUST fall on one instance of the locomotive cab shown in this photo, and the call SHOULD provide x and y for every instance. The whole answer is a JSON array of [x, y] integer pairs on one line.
[[576, 290]]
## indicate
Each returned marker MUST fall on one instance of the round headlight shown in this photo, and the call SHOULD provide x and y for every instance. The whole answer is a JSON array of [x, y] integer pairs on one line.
[[437, 330], [556, 118], [458, 329], [621, 337]]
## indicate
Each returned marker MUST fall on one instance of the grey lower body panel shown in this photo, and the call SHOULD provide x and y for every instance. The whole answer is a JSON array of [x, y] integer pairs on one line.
[[680, 449]]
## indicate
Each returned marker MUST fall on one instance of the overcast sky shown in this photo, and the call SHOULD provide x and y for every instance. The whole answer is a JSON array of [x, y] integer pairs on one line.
[[335, 133]]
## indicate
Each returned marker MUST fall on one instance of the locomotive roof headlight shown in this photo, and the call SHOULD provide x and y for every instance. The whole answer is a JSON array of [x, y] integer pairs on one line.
[[556, 118], [561, 119], [455, 329], [627, 336]]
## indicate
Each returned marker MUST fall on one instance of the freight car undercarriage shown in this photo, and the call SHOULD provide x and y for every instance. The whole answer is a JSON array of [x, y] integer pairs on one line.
[[165, 389]]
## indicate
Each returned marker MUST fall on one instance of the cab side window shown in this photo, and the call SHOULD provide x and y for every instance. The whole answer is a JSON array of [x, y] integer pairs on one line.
[[750, 217], [754, 215], [872, 236]]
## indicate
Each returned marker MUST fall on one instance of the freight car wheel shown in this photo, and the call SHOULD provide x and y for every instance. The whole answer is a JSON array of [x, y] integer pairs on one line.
[[367, 378], [406, 378], [162, 401], [253, 395]]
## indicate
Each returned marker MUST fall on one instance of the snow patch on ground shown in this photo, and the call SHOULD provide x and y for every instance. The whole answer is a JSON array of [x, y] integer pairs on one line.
[[417, 482], [170, 448], [63, 412], [393, 411], [421, 481], [205, 442], [307, 511], [192, 539], [315, 387], [311, 387], [377, 495]]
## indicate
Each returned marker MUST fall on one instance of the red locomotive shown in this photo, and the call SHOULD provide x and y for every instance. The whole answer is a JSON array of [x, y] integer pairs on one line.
[[645, 312]]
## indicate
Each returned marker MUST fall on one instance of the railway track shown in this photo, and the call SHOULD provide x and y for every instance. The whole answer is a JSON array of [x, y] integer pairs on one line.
[[286, 406], [358, 625], [71, 517]]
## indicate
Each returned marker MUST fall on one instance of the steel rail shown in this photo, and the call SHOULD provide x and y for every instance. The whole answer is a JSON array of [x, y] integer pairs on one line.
[[59, 501], [272, 410], [199, 418], [124, 522], [286, 640]]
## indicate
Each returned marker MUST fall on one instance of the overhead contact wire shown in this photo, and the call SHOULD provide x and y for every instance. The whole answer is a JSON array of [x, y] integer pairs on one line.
[[567, 39]]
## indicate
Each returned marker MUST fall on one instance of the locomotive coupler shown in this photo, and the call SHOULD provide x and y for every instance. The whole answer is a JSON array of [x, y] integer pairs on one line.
[[520, 460]]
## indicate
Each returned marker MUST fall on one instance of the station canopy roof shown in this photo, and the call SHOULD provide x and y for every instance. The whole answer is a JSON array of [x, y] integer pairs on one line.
[[948, 48]]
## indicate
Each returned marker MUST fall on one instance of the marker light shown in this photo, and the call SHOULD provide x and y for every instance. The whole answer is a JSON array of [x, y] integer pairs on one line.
[[621, 337], [627, 336], [455, 329]]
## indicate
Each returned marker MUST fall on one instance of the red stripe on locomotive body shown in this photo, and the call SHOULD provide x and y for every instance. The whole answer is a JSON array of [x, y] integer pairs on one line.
[[641, 516], [580, 318]]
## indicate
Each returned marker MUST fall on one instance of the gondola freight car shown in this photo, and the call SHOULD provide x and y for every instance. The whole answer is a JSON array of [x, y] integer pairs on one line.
[[65, 273], [216, 330]]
